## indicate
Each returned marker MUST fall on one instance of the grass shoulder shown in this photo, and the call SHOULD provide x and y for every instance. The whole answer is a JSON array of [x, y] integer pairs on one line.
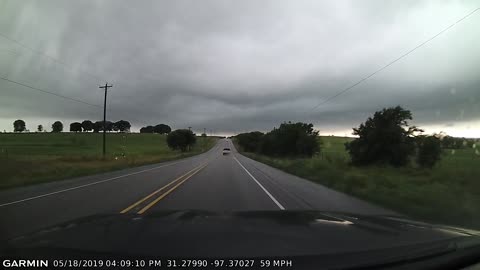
[[43, 157], [448, 194]]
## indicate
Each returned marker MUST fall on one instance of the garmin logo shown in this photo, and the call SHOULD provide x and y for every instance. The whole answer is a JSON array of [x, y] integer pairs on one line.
[[24, 263]]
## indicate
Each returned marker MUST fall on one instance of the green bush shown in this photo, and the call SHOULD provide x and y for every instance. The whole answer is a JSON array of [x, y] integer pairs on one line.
[[291, 139], [251, 141], [429, 151], [182, 139]]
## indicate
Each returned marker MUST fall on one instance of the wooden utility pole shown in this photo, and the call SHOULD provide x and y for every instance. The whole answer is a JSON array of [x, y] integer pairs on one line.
[[105, 117]]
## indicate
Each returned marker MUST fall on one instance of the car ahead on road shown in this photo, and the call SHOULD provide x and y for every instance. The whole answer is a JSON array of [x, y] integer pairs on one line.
[[226, 151], [255, 240]]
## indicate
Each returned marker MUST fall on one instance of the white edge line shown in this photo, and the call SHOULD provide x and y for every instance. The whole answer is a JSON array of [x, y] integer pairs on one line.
[[264, 189], [86, 185]]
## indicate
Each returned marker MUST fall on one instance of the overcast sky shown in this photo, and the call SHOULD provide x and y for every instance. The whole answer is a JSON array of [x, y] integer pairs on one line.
[[235, 66]]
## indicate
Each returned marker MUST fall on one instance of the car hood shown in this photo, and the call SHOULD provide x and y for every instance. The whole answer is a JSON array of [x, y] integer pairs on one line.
[[247, 234]]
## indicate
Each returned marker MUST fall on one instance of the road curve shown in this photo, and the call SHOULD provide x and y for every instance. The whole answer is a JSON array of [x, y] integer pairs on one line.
[[209, 181]]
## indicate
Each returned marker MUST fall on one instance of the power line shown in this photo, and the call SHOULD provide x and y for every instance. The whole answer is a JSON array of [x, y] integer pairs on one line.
[[67, 97], [394, 61], [46, 55], [57, 61], [51, 93], [10, 51]]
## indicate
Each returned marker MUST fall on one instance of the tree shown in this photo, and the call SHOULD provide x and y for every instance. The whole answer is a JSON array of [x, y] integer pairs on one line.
[[115, 127], [147, 129], [87, 125], [162, 129], [97, 126], [291, 139], [109, 126], [123, 126], [384, 138], [19, 126], [57, 127], [166, 129], [453, 143], [429, 151], [76, 127], [251, 141], [39, 128], [182, 139]]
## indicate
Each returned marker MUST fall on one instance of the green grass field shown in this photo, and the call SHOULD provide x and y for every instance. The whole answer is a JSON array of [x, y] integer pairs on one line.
[[39, 157], [449, 193]]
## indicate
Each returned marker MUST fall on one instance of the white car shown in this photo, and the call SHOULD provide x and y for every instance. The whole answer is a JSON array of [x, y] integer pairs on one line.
[[226, 151]]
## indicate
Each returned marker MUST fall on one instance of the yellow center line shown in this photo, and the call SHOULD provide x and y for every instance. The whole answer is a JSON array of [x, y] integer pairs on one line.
[[169, 191], [157, 191]]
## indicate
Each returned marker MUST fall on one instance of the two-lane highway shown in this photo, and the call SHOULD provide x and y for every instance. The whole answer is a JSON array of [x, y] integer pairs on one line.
[[210, 181]]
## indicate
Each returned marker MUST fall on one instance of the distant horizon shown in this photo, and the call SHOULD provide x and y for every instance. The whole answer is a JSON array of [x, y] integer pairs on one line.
[[136, 129]]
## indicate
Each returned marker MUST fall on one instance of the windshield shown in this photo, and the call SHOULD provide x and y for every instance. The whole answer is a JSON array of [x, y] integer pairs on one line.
[[275, 126]]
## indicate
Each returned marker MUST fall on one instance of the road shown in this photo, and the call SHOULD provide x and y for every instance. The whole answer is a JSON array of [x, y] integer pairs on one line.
[[210, 181]]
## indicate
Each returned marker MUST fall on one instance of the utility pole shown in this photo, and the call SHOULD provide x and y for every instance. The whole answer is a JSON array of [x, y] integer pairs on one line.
[[105, 116]]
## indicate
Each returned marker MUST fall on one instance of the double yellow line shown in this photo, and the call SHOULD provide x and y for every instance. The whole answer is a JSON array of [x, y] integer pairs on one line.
[[180, 180]]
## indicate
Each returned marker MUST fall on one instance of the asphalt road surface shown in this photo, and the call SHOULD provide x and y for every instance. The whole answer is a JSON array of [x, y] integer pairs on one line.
[[210, 181]]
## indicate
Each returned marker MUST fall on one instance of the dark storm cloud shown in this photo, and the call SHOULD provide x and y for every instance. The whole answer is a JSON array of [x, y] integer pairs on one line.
[[233, 66]]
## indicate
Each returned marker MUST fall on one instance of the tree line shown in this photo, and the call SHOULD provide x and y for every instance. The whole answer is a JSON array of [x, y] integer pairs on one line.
[[85, 126], [450, 142], [160, 129], [288, 140], [385, 138], [180, 139]]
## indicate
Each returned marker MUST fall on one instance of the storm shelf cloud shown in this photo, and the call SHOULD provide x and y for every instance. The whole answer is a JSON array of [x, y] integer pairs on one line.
[[234, 66]]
